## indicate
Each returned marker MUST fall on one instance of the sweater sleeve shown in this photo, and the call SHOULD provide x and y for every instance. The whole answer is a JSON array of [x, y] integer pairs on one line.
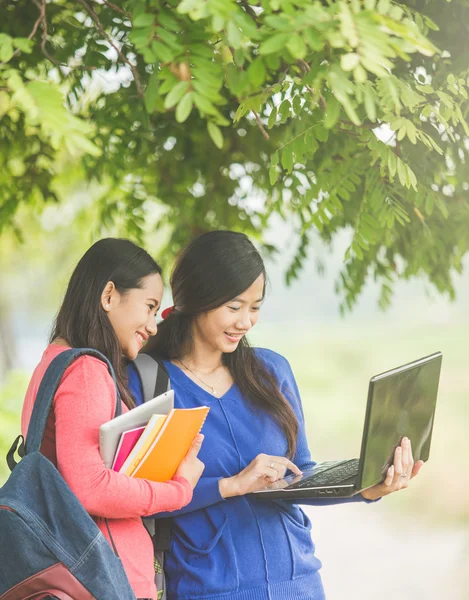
[[84, 401], [302, 457], [206, 493]]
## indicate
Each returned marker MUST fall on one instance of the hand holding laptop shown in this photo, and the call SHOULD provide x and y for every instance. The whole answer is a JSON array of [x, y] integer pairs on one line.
[[399, 473]]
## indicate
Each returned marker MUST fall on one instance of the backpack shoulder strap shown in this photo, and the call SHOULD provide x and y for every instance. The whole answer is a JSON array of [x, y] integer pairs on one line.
[[153, 376], [48, 388]]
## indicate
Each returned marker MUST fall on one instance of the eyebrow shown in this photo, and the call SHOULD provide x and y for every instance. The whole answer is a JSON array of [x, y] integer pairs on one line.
[[155, 301], [245, 301]]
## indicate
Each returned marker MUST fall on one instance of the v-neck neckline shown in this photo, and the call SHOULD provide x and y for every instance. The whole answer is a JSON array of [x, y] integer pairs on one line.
[[191, 383]]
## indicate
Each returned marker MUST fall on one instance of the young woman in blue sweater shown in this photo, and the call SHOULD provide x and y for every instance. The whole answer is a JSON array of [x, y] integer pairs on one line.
[[226, 544]]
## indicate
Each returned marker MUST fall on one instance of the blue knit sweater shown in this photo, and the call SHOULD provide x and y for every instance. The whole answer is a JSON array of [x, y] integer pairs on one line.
[[240, 548]]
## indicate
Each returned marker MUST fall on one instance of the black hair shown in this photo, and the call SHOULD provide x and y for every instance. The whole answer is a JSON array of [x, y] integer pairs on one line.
[[81, 320], [212, 270]]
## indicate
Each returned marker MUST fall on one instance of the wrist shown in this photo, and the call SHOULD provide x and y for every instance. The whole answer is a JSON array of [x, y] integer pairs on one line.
[[228, 487]]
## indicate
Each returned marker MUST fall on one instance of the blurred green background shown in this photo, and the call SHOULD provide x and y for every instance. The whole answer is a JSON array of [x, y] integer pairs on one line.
[[411, 545]]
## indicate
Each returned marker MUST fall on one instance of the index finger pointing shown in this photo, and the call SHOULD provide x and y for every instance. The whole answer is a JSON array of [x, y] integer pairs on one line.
[[287, 464], [293, 468]]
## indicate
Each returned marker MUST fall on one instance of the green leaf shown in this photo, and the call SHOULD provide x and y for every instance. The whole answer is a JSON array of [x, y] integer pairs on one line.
[[23, 44], [287, 158], [186, 6], [297, 46], [176, 94], [6, 51], [332, 112], [359, 74], [402, 173], [143, 20], [234, 35], [349, 61], [273, 174], [204, 105], [151, 92], [257, 72], [163, 52], [215, 134], [184, 108], [276, 43], [369, 101], [313, 39], [358, 251], [272, 118]]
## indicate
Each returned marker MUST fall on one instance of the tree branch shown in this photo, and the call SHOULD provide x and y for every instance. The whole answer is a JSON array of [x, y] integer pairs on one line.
[[42, 20], [116, 8], [261, 126], [90, 10]]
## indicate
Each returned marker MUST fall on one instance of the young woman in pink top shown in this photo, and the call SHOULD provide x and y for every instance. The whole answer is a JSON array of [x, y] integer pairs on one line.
[[110, 305]]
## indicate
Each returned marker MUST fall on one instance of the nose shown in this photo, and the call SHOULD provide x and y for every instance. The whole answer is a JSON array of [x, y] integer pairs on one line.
[[244, 322], [151, 327]]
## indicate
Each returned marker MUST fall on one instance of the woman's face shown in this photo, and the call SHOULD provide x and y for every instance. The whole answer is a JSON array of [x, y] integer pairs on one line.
[[133, 314], [222, 329]]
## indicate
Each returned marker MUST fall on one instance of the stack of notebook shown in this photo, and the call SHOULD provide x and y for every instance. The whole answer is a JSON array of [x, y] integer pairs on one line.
[[156, 450]]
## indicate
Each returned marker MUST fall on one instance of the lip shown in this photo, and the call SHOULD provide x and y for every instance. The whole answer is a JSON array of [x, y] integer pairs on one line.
[[143, 336], [234, 339]]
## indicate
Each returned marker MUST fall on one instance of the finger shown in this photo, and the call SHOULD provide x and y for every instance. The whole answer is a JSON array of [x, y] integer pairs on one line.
[[270, 474], [411, 460], [405, 455], [196, 445], [397, 462], [416, 468], [280, 471], [292, 467], [287, 464], [389, 476]]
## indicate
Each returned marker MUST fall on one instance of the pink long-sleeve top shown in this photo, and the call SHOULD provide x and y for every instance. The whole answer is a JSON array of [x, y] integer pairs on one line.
[[84, 401]]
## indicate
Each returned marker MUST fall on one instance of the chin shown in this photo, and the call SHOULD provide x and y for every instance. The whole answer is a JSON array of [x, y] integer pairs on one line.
[[130, 353], [228, 348]]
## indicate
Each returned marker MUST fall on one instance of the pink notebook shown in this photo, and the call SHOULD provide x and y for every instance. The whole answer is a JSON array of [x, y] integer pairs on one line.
[[126, 444]]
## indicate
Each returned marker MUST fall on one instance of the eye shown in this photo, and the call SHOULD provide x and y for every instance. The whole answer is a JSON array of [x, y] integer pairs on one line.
[[235, 308], [256, 308], [151, 306]]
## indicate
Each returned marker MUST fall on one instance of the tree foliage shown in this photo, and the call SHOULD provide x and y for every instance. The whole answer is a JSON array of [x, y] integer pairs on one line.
[[332, 114]]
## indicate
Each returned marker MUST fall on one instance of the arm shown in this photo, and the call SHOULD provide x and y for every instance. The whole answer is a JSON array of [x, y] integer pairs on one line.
[[86, 399], [206, 493]]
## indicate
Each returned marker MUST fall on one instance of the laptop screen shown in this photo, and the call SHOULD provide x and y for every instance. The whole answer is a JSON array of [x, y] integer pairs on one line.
[[401, 403]]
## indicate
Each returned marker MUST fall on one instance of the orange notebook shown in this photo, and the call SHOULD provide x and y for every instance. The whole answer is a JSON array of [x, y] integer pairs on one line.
[[140, 449], [171, 444]]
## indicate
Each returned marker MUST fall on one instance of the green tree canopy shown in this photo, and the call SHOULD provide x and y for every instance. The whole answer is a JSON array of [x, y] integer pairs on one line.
[[332, 114]]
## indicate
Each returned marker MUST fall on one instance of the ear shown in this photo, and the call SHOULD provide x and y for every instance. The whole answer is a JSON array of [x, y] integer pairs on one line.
[[109, 296]]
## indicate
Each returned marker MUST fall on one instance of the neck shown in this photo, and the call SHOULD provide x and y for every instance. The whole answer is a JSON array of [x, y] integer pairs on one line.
[[203, 358]]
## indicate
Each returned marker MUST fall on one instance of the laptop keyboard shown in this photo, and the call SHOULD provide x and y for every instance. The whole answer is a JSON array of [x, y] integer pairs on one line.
[[330, 474]]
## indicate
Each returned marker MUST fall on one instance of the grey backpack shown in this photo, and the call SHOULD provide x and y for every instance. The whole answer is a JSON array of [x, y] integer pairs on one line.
[[155, 381]]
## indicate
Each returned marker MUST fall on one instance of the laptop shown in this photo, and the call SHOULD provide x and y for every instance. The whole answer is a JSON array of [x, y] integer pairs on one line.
[[111, 431], [401, 403]]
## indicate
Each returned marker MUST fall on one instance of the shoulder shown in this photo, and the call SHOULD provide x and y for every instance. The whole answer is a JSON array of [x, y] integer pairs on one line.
[[274, 361], [89, 370], [86, 391]]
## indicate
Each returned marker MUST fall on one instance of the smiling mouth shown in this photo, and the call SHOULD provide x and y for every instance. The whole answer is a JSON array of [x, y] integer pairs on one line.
[[236, 336], [141, 338]]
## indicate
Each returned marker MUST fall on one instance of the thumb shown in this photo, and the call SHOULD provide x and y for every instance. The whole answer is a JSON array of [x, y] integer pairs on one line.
[[196, 445]]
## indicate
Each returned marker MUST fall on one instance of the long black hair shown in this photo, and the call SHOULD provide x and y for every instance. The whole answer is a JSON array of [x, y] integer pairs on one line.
[[81, 320], [212, 270]]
